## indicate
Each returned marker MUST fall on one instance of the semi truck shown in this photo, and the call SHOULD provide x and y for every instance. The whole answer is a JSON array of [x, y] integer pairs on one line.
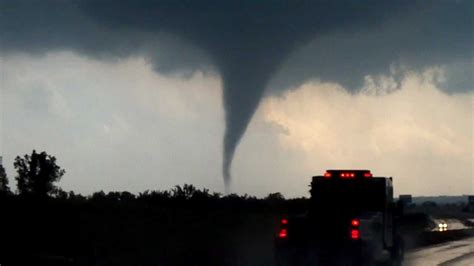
[[351, 220]]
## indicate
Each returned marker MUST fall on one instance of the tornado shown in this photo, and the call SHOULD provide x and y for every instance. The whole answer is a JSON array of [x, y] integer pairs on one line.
[[243, 88]]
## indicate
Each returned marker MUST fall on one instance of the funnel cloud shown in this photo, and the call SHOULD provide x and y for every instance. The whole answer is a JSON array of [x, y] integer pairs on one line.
[[251, 45]]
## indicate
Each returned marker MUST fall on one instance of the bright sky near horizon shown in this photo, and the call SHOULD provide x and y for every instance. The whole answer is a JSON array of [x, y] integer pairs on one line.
[[122, 126]]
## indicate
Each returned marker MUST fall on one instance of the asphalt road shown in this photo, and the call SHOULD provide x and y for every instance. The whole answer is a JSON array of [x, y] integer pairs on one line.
[[459, 253]]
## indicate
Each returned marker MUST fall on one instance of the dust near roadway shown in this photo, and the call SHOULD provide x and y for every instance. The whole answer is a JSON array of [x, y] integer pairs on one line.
[[460, 252]]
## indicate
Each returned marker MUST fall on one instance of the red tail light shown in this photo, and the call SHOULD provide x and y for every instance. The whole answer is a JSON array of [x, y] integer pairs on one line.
[[283, 233], [355, 222], [327, 175], [368, 174], [284, 221], [355, 234]]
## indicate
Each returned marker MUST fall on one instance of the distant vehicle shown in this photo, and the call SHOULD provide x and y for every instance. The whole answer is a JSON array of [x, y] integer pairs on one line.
[[351, 221], [442, 226]]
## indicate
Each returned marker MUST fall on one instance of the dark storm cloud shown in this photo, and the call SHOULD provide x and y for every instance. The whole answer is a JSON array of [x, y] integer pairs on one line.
[[249, 43], [432, 34]]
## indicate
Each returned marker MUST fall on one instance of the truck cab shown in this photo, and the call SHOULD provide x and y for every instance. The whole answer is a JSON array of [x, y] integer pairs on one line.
[[351, 221]]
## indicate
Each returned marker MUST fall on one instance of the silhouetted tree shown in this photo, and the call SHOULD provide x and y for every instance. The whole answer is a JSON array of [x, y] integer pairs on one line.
[[4, 188], [126, 196], [155, 196], [76, 197], [277, 196], [216, 195], [37, 173], [98, 196], [183, 193], [60, 194], [115, 196]]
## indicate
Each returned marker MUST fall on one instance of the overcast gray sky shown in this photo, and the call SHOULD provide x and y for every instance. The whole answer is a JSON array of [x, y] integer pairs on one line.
[[134, 97]]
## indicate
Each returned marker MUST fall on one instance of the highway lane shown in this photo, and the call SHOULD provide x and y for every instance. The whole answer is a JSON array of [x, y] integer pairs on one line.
[[459, 253]]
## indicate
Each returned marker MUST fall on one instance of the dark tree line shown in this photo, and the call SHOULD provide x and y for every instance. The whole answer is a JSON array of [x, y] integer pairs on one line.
[[38, 173]]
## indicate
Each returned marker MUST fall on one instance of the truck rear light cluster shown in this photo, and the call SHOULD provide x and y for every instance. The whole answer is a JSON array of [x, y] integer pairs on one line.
[[354, 232], [347, 174], [283, 230]]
